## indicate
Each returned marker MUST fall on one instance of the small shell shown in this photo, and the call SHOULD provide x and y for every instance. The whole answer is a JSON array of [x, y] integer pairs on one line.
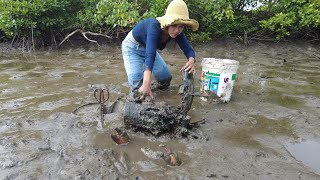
[[152, 154], [162, 145]]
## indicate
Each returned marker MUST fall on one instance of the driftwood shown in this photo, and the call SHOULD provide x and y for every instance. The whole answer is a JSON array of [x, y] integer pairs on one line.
[[84, 35]]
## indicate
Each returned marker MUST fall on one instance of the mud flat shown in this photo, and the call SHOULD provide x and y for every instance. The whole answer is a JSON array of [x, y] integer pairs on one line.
[[272, 117]]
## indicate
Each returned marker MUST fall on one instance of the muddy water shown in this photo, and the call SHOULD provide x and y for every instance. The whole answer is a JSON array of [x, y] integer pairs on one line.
[[275, 101]]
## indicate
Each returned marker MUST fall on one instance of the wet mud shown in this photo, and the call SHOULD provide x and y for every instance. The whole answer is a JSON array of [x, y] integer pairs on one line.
[[264, 132]]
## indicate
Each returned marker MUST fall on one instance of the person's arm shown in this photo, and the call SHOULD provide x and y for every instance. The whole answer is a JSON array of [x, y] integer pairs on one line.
[[145, 88], [151, 49], [188, 52]]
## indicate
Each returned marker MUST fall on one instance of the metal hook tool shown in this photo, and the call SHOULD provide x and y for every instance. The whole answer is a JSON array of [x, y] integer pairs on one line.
[[101, 99]]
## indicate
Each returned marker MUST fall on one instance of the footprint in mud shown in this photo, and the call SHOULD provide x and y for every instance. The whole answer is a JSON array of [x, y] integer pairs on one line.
[[106, 163], [148, 166], [121, 163]]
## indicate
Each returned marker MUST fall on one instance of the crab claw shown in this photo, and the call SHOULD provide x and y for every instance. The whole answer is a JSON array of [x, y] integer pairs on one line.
[[121, 138]]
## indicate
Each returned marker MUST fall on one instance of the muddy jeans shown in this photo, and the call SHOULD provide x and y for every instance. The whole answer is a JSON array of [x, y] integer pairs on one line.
[[134, 58]]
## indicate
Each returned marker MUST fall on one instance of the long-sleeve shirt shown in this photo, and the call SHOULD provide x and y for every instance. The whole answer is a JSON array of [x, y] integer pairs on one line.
[[148, 33]]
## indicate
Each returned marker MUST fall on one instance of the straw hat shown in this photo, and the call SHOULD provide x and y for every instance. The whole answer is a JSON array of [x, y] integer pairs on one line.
[[177, 13]]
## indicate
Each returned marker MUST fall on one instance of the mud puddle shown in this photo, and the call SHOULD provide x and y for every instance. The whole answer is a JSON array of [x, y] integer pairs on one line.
[[307, 152], [258, 125]]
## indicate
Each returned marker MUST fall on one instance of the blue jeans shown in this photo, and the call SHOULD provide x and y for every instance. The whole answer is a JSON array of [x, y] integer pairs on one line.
[[134, 58]]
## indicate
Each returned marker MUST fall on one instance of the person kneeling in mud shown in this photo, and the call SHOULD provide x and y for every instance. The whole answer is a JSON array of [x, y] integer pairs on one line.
[[139, 48]]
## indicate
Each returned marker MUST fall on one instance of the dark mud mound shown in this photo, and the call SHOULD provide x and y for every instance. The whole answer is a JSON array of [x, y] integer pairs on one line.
[[159, 119]]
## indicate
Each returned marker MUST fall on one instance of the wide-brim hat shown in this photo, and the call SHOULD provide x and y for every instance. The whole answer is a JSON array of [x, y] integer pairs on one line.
[[177, 13]]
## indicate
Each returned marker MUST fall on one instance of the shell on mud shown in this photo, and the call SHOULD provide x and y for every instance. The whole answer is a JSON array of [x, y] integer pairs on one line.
[[152, 154], [171, 158], [121, 138]]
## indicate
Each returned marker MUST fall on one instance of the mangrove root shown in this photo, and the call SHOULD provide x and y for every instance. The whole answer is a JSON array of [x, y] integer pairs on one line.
[[84, 34]]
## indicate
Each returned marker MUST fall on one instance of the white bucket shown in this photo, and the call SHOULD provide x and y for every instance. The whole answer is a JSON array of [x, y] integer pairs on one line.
[[218, 77]]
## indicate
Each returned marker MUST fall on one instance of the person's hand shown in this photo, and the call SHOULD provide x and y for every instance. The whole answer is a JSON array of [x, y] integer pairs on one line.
[[145, 91], [189, 66]]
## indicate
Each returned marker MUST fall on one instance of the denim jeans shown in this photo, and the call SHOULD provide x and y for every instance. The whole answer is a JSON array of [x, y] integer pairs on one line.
[[134, 63]]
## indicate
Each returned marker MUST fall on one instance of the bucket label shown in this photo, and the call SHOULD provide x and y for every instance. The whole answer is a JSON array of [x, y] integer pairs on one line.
[[233, 77], [210, 82], [218, 84]]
